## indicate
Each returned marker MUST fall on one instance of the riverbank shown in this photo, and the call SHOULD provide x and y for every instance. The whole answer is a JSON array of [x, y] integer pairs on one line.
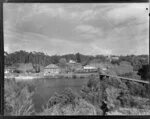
[[32, 76]]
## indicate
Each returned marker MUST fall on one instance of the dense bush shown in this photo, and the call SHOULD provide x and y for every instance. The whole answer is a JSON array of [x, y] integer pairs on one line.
[[102, 92], [131, 75], [68, 103], [82, 108], [124, 98], [113, 92], [92, 91], [138, 102], [137, 89], [18, 100], [144, 72], [115, 62], [112, 97], [67, 96], [115, 82]]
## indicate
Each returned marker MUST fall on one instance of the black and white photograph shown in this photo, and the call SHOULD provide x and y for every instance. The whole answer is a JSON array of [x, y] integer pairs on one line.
[[76, 59]]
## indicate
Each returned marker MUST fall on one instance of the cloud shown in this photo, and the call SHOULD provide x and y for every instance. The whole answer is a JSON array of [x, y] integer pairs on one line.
[[141, 47], [88, 31], [14, 40], [133, 11], [62, 11], [69, 28], [50, 11], [88, 15]]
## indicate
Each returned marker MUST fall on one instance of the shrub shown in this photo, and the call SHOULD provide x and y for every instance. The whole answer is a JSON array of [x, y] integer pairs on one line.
[[18, 100], [137, 89], [67, 96], [68, 103], [17, 71], [112, 81], [138, 102], [112, 97], [74, 76], [83, 108], [92, 92], [124, 98]]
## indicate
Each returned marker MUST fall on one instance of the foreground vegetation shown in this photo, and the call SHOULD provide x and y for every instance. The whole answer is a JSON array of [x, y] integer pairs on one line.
[[108, 96], [17, 99]]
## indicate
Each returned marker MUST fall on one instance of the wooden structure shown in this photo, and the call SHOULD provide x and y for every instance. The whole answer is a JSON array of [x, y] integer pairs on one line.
[[123, 78]]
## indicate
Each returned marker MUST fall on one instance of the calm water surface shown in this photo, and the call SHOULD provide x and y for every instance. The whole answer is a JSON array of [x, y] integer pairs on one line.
[[45, 88]]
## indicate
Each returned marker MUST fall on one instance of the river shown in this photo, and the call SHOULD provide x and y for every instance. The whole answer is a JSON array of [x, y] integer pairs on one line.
[[45, 88]]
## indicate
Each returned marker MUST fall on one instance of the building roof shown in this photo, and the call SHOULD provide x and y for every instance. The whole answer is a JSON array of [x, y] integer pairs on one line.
[[89, 67], [50, 66], [72, 61], [73, 64], [115, 57]]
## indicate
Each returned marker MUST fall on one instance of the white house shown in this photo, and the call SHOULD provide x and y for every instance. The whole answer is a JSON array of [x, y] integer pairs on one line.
[[89, 68], [114, 58], [51, 69]]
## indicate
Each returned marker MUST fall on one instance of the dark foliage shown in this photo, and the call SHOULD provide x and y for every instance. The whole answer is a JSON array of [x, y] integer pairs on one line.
[[101, 94], [43, 59], [78, 57], [66, 97], [144, 72], [115, 62], [136, 61]]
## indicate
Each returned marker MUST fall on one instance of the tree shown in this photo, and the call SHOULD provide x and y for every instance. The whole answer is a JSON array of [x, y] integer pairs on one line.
[[78, 58], [37, 68], [94, 91], [62, 62], [27, 59], [144, 72]]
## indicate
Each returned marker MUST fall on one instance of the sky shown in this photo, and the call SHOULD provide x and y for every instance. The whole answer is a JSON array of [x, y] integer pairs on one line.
[[88, 28]]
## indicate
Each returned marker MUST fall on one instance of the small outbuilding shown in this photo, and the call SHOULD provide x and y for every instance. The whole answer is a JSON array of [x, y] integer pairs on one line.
[[74, 66], [9, 69], [72, 61]]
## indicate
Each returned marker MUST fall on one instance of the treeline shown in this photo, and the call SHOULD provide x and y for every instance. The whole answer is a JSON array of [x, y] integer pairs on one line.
[[43, 59], [136, 61]]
